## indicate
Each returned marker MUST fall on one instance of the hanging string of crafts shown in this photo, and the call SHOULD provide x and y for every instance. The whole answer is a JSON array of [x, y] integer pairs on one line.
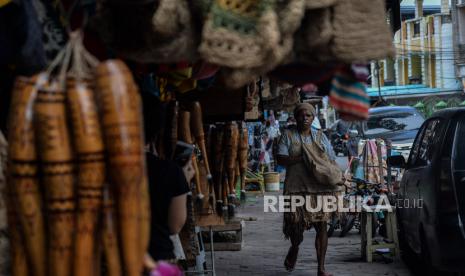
[[76, 154]]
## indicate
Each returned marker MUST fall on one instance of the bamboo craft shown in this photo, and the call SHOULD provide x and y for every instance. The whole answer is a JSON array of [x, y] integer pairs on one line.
[[144, 216], [243, 154], [109, 235], [218, 167], [18, 254], [19, 264], [186, 136], [121, 114], [56, 158], [237, 172], [89, 150], [232, 142], [23, 172], [208, 148], [199, 134]]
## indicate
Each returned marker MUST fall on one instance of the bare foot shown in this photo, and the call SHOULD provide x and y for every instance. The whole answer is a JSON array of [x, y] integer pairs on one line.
[[322, 273], [291, 258]]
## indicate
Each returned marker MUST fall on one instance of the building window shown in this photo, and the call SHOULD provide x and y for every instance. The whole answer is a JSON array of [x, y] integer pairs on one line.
[[461, 24], [416, 29], [415, 73]]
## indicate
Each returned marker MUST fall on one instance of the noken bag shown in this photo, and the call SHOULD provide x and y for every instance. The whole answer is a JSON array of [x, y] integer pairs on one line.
[[319, 164]]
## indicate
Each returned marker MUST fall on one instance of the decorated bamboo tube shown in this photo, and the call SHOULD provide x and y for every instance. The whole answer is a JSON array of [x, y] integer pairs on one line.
[[199, 134], [225, 187], [208, 149], [18, 261], [23, 171], [19, 264], [56, 156], [243, 153], [237, 175], [121, 119], [144, 216], [186, 136], [89, 150], [218, 166], [109, 235], [232, 142]]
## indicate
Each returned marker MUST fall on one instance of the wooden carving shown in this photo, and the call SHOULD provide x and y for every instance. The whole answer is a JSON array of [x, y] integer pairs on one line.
[[186, 136], [218, 154], [199, 134], [243, 154], [231, 142]]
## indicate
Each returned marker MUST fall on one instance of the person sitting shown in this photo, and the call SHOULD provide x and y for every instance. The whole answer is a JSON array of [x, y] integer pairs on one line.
[[168, 188]]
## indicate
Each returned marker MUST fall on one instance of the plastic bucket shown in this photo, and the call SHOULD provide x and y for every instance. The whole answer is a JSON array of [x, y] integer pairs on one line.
[[271, 181]]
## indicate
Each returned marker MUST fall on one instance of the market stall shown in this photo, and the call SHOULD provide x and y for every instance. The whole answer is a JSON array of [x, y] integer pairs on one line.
[[77, 181]]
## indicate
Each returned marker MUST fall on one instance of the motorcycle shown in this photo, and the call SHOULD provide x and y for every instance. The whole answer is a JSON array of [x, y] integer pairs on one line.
[[371, 193], [339, 143]]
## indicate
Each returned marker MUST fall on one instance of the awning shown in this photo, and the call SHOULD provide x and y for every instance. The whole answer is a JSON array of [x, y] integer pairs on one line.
[[407, 91]]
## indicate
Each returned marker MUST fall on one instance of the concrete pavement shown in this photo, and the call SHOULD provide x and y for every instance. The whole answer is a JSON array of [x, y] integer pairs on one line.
[[264, 250]]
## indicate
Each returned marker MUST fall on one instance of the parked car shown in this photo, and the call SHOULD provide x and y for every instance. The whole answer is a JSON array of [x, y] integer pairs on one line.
[[433, 189], [399, 124]]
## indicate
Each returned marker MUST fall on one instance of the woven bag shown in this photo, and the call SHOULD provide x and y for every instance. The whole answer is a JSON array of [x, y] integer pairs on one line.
[[290, 14], [318, 4], [148, 33], [361, 33], [317, 161], [314, 37], [238, 33]]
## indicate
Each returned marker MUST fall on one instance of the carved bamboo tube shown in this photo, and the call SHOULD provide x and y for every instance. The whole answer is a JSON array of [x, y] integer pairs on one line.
[[23, 171], [121, 118], [57, 164], [89, 150]]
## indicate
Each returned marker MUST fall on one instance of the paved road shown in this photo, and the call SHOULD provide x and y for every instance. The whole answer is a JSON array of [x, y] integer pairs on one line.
[[264, 249]]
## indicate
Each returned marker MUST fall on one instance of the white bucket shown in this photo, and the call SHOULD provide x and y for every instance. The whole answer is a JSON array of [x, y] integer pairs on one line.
[[271, 182]]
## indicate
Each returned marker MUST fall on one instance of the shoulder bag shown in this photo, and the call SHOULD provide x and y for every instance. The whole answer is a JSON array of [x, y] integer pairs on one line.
[[319, 164]]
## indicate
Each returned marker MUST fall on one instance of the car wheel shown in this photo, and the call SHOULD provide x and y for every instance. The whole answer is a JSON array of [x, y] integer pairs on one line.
[[406, 252], [427, 268]]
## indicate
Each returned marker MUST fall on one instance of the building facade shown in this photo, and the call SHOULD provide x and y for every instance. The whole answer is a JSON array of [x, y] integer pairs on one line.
[[425, 64]]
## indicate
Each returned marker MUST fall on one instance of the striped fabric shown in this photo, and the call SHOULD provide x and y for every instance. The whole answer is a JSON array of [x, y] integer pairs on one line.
[[349, 97]]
